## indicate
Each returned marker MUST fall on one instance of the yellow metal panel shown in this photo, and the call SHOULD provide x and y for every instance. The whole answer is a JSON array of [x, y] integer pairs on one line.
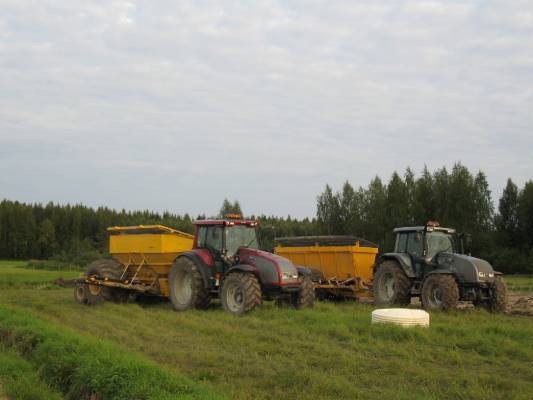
[[149, 243]]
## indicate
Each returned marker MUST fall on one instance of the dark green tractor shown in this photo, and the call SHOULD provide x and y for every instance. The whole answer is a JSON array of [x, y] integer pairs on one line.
[[427, 263]]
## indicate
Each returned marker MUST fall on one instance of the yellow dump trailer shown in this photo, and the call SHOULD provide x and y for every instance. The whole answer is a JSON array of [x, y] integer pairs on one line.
[[341, 265], [142, 258]]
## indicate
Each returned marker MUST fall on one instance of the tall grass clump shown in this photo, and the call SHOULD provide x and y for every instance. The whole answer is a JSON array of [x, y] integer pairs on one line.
[[82, 368]]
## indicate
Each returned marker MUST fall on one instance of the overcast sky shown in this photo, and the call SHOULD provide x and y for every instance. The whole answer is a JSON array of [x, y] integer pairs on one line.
[[174, 105]]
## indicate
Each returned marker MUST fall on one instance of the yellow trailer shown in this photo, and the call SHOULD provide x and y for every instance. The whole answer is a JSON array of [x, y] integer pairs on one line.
[[342, 265], [142, 257], [147, 252]]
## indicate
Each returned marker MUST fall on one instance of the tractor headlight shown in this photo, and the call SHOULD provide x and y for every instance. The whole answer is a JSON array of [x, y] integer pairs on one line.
[[286, 276], [482, 274]]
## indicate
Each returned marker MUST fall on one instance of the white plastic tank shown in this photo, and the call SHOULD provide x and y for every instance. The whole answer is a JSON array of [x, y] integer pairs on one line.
[[400, 316]]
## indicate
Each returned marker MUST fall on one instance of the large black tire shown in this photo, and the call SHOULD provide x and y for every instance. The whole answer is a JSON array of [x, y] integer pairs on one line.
[[498, 301], [305, 298], [240, 293], [186, 286], [439, 292], [94, 294], [391, 285]]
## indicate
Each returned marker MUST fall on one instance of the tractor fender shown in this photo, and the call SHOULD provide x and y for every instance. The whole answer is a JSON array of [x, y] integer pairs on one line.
[[441, 271], [303, 270], [242, 268], [205, 271], [403, 259]]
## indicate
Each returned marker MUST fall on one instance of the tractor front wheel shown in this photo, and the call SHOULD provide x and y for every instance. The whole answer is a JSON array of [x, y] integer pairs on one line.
[[498, 299], [240, 293], [305, 298], [186, 286], [439, 292], [391, 285]]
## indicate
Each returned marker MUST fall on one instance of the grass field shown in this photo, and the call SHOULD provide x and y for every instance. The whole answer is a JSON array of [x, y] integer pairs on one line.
[[14, 274], [519, 283], [331, 351]]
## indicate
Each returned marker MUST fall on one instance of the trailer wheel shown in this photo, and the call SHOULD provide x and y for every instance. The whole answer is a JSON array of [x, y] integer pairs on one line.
[[498, 300], [186, 286], [80, 293], [305, 298], [240, 293], [104, 268], [439, 292], [391, 285]]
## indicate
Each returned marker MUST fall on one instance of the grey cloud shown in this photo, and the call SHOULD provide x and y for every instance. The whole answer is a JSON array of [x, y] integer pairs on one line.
[[176, 105]]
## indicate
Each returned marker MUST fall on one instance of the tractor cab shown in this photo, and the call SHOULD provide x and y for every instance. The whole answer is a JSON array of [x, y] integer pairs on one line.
[[225, 237], [423, 243]]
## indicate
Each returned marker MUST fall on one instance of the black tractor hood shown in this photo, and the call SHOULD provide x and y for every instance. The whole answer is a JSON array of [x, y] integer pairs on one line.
[[467, 268]]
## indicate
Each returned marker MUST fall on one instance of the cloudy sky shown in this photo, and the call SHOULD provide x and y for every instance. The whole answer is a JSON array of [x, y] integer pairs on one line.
[[174, 105]]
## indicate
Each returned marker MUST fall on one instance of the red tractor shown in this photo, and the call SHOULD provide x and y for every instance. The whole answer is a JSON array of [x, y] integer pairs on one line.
[[226, 261]]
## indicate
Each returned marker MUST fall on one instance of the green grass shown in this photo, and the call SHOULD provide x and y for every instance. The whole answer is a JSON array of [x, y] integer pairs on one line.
[[519, 283], [331, 351]]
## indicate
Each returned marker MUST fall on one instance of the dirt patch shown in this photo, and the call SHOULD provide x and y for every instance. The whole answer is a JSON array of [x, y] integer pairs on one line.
[[517, 304], [520, 303]]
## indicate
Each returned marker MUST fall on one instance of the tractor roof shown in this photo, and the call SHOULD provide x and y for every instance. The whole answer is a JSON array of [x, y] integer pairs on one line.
[[424, 228], [226, 222]]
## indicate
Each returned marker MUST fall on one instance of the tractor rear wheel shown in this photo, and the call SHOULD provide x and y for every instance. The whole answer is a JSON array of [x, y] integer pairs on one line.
[[102, 269], [240, 293], [186, 286], [498, 300], [305, 298], [391, 285], [439, 292]]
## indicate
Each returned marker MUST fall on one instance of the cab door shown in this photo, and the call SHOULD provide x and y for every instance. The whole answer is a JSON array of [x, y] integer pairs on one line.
[[214, 242], [414, 246]]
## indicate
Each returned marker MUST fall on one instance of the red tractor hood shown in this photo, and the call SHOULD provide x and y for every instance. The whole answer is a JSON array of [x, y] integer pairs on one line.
[[271, 265]]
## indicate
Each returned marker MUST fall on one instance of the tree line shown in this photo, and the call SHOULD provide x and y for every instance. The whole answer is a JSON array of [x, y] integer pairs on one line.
[[77, 233], [455, 198]]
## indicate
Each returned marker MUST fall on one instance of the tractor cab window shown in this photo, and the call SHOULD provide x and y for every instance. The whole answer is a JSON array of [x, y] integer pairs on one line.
[[438, 242], [213, 240], [415, 244], [401, 242], [240, 236]]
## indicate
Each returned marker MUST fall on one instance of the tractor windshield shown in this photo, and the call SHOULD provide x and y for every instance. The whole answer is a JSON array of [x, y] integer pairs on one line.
[[240, 236], [438, 242]]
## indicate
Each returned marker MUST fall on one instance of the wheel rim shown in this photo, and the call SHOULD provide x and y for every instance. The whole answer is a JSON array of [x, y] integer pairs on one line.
[[435, 295], [387, 286], [183, 287], [79, 292], [234, 297], [94, 290]]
